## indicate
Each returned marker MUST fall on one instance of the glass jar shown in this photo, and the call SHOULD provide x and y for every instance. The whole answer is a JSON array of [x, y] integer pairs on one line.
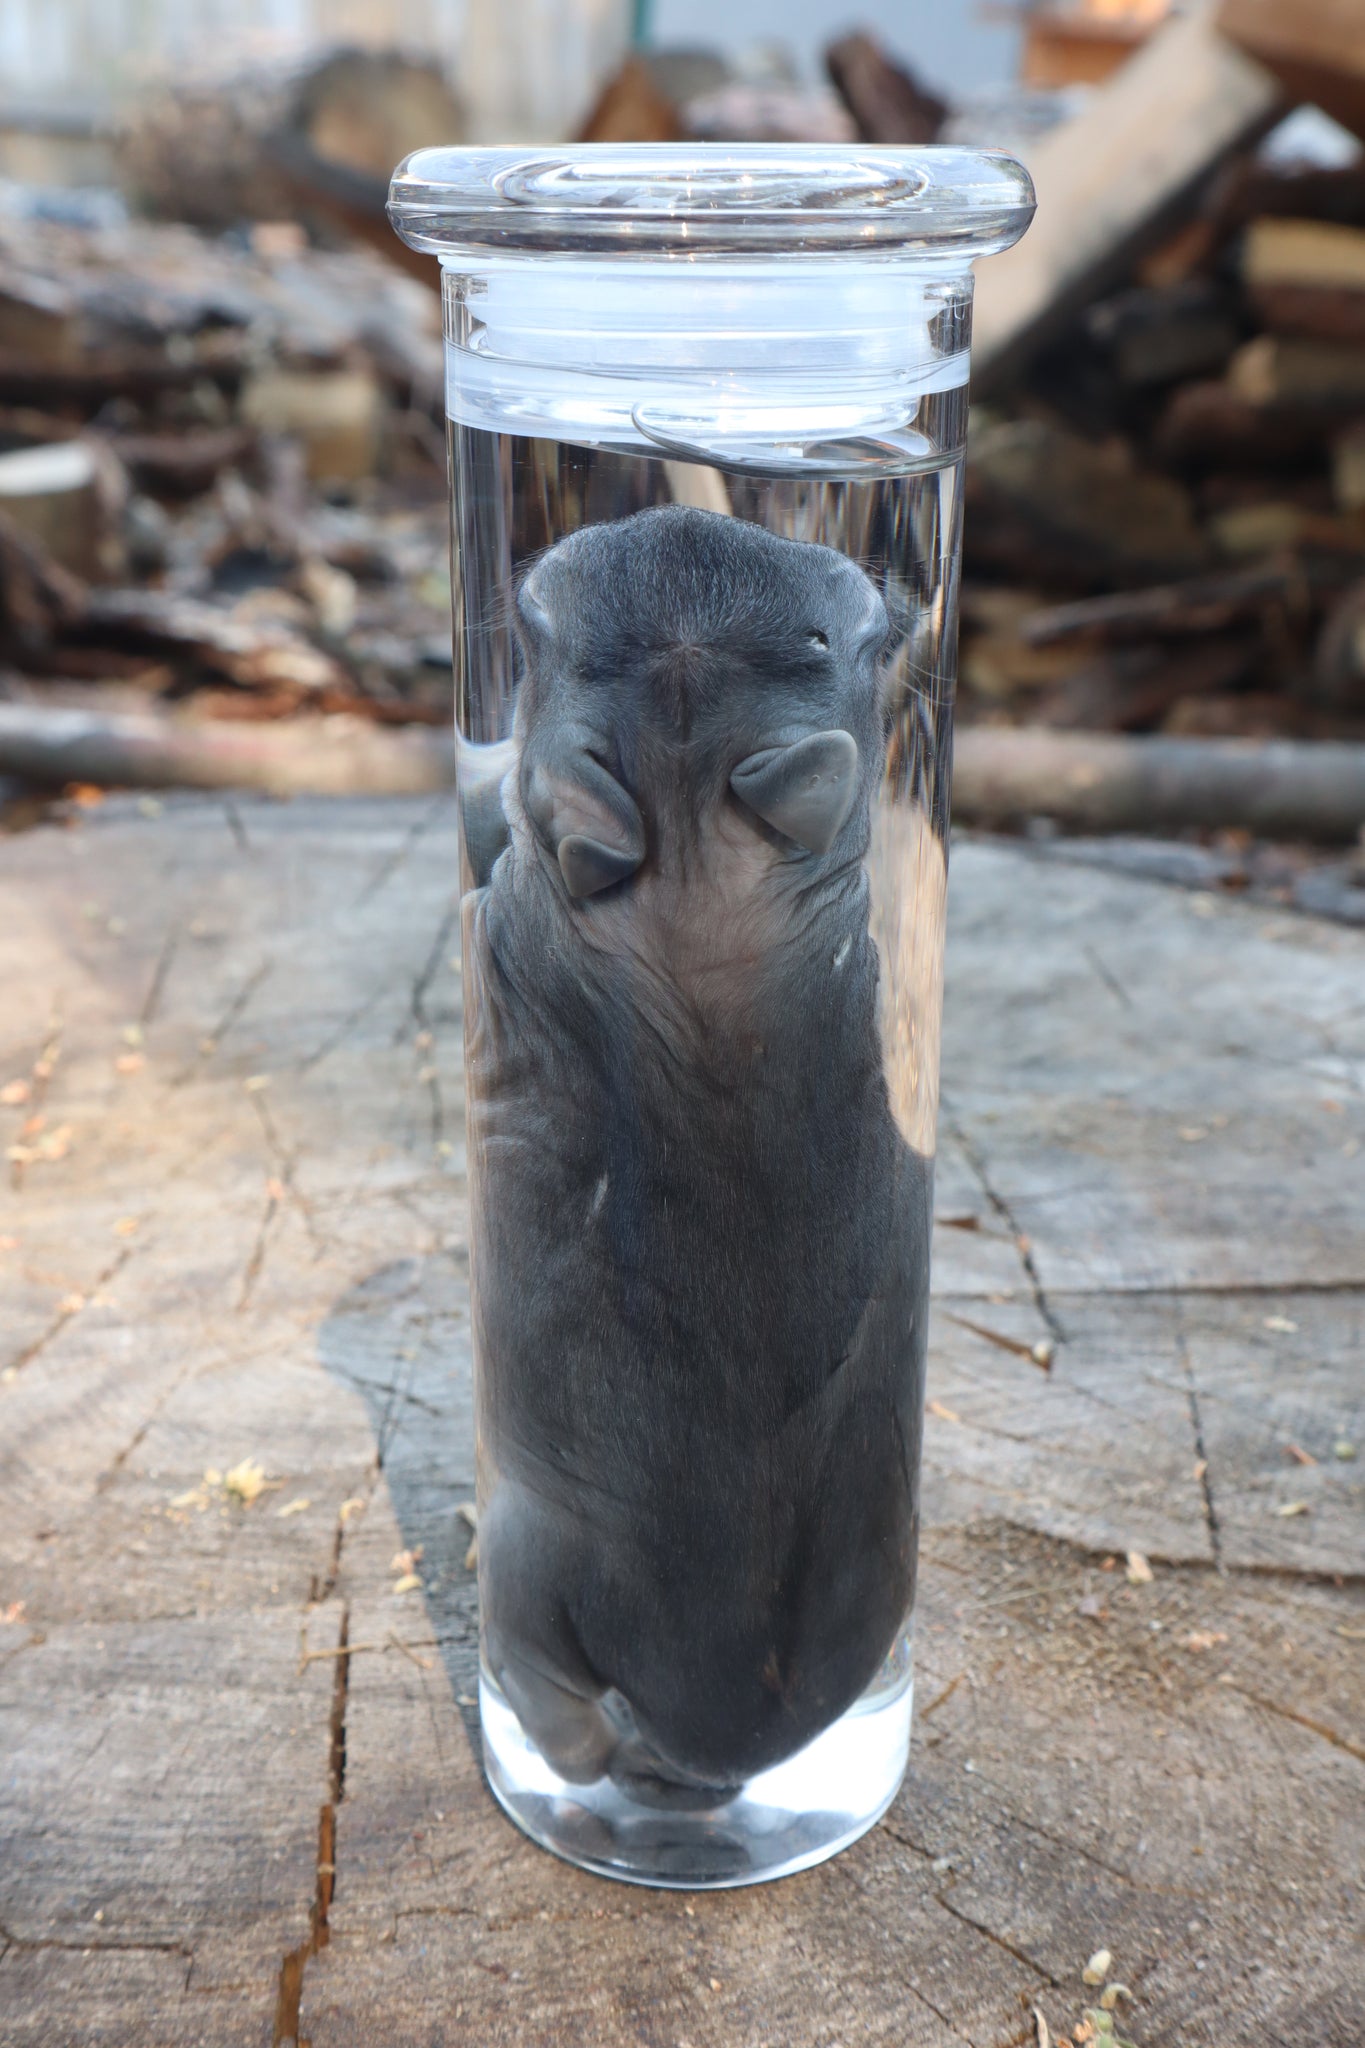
[[707, 412]]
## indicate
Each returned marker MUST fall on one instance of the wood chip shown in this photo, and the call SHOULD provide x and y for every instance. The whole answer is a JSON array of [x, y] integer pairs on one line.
[[293, 1507], [1204, 1638], [246, 1482], [1293, 1507], [943, 1414], [1139, 1571]]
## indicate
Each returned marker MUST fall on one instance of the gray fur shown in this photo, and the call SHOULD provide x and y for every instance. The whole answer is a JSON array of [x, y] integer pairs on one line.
[[700, 1244]]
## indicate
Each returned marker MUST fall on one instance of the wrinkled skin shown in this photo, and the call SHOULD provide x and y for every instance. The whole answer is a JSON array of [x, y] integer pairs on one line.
[[701, 1246]]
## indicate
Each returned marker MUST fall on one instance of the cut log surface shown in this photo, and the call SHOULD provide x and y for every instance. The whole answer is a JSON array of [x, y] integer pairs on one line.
[[240, 1797]]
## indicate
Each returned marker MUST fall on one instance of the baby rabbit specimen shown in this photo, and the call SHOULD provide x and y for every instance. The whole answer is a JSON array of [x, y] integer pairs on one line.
[[700, 1250]]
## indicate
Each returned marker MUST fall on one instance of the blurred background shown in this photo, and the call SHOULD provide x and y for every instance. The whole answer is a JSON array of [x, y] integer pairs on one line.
[[223, 531]]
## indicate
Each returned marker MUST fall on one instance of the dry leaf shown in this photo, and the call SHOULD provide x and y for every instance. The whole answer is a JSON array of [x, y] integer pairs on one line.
[[471, 1556], [1098, 1968], [12, 1614], [71, 1304], [1204, 1638], [1042, 2037], [212, 1476], [354, 1506], [468, 1511], [1293, 1507], [1139, 1571], [15, 1092], [943, 1414], [405, 1561], [293, 1507], [1111, 1995], [409, 1583], [190, 1499], [246, 1482]]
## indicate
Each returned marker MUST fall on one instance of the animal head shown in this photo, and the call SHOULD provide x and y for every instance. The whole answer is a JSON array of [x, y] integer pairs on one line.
[[686, 673]]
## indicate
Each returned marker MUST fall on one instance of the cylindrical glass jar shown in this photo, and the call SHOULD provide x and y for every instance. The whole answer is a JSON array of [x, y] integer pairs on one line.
[[707, 411]]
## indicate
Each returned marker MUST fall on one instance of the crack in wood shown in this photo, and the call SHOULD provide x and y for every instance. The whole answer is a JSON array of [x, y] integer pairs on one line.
[[121, 1457], [34, 1944], [976, 1161], [1020, 1955], [232, 1015], [1318, 1728], [236, 826], [341, 1032], [165, 959], [1108, 977], [1203, 1467], [66, 1313], [844, 1871], [257, 1258], [289, 1992], [390, 865]]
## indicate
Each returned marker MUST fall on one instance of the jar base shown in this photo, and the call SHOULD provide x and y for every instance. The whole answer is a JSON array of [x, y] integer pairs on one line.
[[783, 1820]]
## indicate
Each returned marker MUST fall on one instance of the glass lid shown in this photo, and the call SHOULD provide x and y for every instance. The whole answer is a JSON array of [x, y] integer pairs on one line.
[[712, 198]]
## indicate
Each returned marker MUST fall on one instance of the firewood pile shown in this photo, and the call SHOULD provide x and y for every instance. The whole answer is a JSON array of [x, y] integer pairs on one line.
[[222, 471], [1166, 511]]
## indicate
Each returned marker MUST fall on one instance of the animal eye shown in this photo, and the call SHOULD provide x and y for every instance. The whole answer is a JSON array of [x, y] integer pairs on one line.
[[817, 638]]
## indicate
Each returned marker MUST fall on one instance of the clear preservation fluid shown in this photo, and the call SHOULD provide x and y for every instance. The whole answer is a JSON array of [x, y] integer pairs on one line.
[[705, 730]]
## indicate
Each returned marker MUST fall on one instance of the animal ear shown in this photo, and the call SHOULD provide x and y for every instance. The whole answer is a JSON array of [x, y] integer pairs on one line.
[[804, 790], [586, 819]]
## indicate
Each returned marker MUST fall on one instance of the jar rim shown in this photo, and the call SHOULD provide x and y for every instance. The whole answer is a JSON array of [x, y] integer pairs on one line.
[[712, 199]]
